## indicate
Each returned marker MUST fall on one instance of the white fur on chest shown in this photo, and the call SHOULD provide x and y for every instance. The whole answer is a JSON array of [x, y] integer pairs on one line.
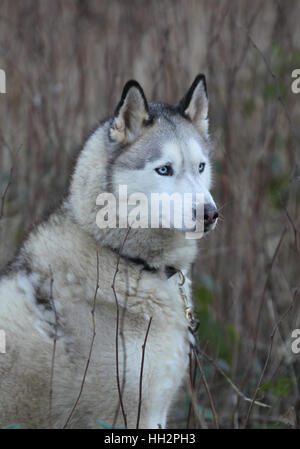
[[141, 295]]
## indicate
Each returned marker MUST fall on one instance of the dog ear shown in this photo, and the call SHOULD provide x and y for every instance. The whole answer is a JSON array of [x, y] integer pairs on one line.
[[194, 105], [130, 115]]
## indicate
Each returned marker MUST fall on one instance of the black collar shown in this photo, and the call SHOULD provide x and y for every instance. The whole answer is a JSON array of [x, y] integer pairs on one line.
[[169, 271]]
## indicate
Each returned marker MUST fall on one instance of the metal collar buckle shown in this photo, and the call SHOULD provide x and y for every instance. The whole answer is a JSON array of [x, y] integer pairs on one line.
[[189, 313]]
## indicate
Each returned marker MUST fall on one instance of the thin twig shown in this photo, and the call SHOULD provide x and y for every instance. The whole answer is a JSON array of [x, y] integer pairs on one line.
[[54, 349], [268, 356], [91, 346], [267, 284], [192, 373], [262, 302], [117, 334], [141, 375], [235, 388], [206, 388], [293, 227], [279, 97], [5, 192], [196, 408], [192, 394]]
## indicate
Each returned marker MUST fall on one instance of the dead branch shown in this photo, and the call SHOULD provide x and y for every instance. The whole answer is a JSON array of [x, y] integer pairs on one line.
[[262, 302], [267, 283], [295, 231], [5, 192], [54, 348], [235, 388], [141, 375], [91, 347], [117, 337], [192, 374], [294, 172], [193, 402], [206, 388], [269, 356]]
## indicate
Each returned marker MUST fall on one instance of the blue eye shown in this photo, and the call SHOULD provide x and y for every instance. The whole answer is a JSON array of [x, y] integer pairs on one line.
[[201, 167], [166, 170]]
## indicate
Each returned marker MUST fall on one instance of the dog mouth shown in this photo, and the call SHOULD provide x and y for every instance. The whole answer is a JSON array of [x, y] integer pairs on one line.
[[209, 226], [204, 227]]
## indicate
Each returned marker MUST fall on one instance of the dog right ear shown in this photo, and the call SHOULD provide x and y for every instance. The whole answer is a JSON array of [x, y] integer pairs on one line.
[[130, 115], [194, 105]]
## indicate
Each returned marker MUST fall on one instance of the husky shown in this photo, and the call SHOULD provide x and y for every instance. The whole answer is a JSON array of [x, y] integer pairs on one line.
[[98, 320]]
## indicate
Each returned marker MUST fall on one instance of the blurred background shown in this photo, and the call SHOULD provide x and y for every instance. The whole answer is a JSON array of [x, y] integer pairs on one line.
[[66, 62]]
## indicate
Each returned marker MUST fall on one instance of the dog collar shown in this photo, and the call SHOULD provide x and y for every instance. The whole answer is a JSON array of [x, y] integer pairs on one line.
[[169, 270]]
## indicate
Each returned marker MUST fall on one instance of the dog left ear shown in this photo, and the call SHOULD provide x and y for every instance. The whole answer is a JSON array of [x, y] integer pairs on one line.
[[194, 105], [130, 115]]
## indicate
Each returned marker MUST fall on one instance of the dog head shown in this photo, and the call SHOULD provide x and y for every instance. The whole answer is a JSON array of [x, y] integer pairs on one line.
[[156, 148]]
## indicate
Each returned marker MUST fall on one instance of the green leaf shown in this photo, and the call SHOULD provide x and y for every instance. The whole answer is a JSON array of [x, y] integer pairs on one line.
[[281, 387], [266, 386], [277, 191]]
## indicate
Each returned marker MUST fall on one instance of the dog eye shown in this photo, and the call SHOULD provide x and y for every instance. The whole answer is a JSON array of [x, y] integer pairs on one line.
[[166, 170], [201, 167]]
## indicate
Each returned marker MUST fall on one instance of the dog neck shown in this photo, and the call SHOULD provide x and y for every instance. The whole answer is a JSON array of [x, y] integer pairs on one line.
[[168, 270], [153, 248]]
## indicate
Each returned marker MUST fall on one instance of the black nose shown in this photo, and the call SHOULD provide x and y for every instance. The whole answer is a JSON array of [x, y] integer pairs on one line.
[[210, 214]]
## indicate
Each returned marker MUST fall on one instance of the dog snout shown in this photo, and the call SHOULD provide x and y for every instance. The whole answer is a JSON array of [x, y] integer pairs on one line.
[[210, 216]]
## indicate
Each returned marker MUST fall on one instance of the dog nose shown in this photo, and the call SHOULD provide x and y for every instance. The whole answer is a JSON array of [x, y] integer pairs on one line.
[[210, 214]]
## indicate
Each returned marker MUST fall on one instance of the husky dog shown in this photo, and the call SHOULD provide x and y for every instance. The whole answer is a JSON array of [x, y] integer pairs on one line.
[[65, 366]]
